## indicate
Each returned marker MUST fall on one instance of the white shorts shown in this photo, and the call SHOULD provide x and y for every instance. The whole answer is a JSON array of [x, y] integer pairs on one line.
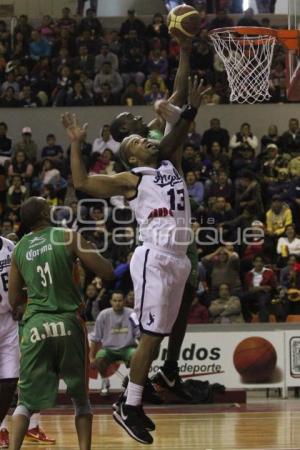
[[9, 347], [159, 279]]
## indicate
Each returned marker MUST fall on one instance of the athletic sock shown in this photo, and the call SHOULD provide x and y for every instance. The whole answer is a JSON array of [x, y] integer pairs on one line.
[[4, 424], [34, 421], [170, 367], [134, 394]]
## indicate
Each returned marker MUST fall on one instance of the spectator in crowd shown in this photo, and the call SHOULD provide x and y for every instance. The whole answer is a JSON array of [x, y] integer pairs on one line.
[[52, 151], [115, 333], [91, 23], [288, 244], [66, 22], [260, 283], [215, 153], [84, 62], [195, 188], [158, 30], [215, 134], [244, 139], [221, 188], [105, 141], [21, 166], [109, 76], [17, 193], [154, 78], [106, 55], [193, 138], [91, 298], [78, 96], [223, 266], [10, 82], [23, 27], [8, 99], [247, 20], [132, 23], [158, 63], [278, 217], [248, 194], [105, 97], [154, 95], [132, 96], [39, 47], [221, 20], [47, 28], [271, 137], [5, 144], [27, 145], [289, 141], [27, 99], [226, 308]]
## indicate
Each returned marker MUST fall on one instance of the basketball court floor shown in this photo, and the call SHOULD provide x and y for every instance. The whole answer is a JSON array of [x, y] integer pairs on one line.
[[261, 424]]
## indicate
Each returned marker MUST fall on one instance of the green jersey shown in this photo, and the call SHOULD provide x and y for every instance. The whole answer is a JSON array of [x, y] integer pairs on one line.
[[46, 266]]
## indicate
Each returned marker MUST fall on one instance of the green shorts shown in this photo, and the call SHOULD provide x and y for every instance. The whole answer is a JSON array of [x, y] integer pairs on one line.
[[192, 254], [123, 354], [53, 346]]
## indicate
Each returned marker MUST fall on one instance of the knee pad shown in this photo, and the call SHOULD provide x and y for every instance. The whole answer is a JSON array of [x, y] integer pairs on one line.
[[82, 408]]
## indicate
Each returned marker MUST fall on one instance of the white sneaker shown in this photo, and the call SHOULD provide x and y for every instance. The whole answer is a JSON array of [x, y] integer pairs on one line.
[[105, 387]]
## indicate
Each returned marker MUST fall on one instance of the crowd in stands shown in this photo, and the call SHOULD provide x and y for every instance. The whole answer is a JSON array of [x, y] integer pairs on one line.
[[245, 196], [75, 61]]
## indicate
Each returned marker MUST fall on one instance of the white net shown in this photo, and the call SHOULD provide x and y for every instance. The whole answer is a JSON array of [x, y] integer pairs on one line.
[[247, 60]]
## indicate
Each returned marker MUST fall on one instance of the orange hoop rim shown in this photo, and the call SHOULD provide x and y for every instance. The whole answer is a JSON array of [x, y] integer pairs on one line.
[[258, 35]]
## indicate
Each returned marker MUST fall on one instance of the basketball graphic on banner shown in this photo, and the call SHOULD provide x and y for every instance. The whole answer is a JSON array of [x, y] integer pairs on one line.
[[255, 359]]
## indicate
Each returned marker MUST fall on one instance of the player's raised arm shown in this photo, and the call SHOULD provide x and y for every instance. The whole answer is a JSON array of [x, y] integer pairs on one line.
[[170, 146], [16, 294], [90, 258], [97, 185], [180, 90]]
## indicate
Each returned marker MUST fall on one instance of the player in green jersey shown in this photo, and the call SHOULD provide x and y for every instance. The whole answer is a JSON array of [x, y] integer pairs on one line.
[[54, 343]]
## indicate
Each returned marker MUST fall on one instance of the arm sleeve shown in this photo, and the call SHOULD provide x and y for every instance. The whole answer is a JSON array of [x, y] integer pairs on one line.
[[97, 333]]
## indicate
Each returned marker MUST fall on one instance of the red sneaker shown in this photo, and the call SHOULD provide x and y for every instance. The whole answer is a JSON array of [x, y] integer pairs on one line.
[[4, 438], [37, 435]]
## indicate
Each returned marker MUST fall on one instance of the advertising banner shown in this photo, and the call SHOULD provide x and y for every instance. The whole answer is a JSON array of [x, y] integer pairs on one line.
[[292, 351]]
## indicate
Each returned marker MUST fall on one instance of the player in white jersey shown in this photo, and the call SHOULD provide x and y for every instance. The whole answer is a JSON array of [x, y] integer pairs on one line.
[[9, 336], [159, 268]]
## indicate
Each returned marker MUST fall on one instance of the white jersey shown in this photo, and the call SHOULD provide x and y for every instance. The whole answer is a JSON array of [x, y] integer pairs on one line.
[[162, 208], [6, 250]]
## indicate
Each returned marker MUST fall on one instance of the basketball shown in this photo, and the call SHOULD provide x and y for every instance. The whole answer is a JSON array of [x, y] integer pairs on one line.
[[184, 20], [255, 359]]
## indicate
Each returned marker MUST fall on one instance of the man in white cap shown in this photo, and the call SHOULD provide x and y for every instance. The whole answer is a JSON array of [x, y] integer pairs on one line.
[[27, 145]]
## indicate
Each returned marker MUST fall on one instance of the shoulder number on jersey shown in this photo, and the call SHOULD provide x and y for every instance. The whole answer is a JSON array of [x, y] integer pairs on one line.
[[177, 201]]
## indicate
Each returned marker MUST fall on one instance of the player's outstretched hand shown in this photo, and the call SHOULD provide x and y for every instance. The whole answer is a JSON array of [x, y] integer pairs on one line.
[[75, 131], [196, 91]]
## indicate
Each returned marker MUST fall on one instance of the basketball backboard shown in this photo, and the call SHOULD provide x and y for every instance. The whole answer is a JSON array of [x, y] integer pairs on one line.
[[293, 57]]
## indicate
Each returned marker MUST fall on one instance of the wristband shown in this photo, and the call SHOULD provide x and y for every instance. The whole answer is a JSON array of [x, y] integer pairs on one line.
[[189, 113]]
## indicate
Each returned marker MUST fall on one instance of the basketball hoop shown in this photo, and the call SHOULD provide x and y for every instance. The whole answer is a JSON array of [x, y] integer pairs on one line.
[[247, 54]]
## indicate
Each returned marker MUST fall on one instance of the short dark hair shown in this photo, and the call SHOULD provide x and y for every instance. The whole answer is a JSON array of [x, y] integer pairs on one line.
[[31, 211], [117, 291], [50, 136], [259, 256], [3, 124]]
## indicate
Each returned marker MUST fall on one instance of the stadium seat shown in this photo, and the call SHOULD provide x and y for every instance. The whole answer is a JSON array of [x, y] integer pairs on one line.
[[293, 318]]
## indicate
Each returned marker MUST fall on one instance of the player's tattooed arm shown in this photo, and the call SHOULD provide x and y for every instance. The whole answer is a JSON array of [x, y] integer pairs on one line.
[[16, 294], [103, 186]]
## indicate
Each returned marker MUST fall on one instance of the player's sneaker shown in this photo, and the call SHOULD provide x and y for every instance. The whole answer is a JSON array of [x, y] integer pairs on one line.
[[105, 387], [4, 438], [171, 382], [130, 418], [37, 435], [148, 424]]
